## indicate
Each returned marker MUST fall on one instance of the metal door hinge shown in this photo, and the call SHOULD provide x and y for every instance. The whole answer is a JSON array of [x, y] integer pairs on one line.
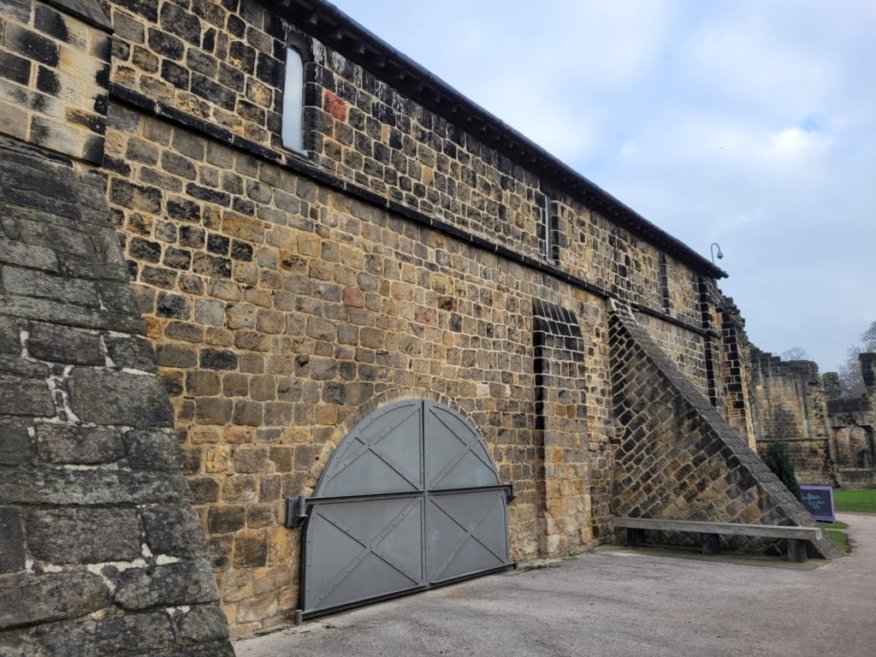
[[296, 511]]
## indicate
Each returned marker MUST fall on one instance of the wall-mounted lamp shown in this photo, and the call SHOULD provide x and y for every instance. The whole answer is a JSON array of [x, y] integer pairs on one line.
[[714, 246]]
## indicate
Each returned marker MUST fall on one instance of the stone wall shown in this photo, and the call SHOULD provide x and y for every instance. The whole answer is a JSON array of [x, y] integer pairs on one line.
[[100, 551], [399, 256], [675, 456], [734, 370], [302, 322], [830, 440], [55, 68], [560, 422], [853, 427], [790, 406]]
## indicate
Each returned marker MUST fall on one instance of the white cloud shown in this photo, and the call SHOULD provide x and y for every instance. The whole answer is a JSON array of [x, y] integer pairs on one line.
[[747, 60]]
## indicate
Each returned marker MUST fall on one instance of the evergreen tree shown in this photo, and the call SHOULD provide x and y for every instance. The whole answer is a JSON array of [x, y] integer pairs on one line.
[[779, 462]]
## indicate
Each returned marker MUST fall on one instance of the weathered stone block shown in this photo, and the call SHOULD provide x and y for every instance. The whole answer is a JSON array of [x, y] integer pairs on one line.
[[175, 531], [31, 598], [218, 359], [78, 445], [226, 519], [203, 623], [250, 549], [173, 306], [25, 396], [173, 584], [63, 344], [133, 353], [153, 450], [202, 384], [67, 536], [29, 255], [11, 541], [107, 397], [175, 355], [35, 283], [204, 490], [65, 487], [22, 643], [250, 460], [10, 336], [213, 411], [15, 443], [149, 633], [247, 413]]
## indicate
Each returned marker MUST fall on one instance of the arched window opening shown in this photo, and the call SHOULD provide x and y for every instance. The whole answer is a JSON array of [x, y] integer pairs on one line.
[[293, 100]]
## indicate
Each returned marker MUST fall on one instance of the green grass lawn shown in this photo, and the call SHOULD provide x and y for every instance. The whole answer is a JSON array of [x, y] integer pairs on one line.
[[833, 525], [840, 538], [855, 501], [837, 533]]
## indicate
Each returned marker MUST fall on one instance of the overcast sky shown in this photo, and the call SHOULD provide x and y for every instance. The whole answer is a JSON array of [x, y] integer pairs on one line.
[[747, 123]]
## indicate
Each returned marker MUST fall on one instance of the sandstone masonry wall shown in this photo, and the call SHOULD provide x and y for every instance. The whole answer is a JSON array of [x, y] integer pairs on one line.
[[853, 429], [100, 552], [305, 322], [289, 293], [735, 370], [224, 63], [54, 69], [789, 406], [560, 423]]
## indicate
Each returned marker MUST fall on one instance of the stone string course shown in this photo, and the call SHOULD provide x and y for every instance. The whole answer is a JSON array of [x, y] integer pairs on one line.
[[224, 62]]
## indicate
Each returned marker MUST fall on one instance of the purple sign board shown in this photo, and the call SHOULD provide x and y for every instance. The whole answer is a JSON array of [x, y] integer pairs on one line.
[[818, 500]]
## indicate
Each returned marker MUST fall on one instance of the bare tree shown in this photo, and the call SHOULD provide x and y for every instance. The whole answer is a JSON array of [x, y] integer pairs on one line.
[[850, 381], [795, 353]]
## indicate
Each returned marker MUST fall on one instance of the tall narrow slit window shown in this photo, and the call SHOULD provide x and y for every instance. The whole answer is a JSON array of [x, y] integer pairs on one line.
[[664, 284], [293, 101], [548, 230]]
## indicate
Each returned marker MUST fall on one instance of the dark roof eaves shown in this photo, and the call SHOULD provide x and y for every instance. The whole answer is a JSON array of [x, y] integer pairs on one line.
[[345, 33]]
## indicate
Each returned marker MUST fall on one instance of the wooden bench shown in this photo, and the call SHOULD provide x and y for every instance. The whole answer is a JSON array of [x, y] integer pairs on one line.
[[710, 532]]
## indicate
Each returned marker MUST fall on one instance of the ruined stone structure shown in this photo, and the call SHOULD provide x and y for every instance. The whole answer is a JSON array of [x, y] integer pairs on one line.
[[298, 269], [790, 407], [853, 423], [829, 439]]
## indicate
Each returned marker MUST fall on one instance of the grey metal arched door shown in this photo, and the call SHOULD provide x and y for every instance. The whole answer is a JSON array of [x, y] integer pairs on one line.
[[410, 499]]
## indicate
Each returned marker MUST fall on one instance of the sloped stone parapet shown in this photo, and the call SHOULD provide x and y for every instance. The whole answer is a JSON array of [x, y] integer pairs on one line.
[[676, 457]]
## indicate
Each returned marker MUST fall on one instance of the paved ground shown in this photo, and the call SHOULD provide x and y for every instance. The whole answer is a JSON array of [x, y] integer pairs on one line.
[[620, 603]]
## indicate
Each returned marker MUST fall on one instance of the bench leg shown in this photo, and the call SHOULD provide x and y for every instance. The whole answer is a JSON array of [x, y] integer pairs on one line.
[[711, 543], [635, 537], [796, 550]]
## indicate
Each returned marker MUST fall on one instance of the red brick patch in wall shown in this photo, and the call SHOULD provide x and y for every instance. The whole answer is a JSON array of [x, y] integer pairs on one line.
[[335, 106]]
